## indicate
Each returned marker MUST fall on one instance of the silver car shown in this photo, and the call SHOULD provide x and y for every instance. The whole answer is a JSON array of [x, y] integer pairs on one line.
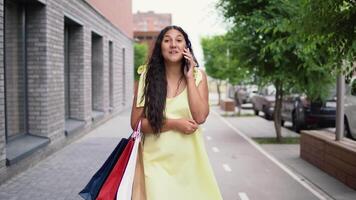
[[350, 110], [264, 101]]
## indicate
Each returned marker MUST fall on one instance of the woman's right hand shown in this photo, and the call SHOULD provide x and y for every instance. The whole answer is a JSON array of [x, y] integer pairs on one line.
[[186, 126]]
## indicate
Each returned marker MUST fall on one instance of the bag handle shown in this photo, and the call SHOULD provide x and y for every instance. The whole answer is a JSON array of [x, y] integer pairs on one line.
[[137, 130]]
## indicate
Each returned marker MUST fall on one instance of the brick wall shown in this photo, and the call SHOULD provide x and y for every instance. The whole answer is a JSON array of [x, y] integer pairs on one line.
[[46, 76], [90, 21], [37, 83], [2, 98], [75, 10]]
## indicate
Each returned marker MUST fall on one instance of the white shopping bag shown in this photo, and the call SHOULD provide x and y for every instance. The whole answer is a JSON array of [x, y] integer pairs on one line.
[[124, 191]]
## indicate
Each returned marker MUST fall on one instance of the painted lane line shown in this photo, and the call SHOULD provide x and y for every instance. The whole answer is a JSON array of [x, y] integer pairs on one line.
[[215, 149], [227, 167], [279, 164], [243, 196]]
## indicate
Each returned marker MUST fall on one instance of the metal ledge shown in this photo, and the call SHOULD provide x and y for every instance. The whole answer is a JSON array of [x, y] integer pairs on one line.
[[97, 115], [73, 125], [23, 146]]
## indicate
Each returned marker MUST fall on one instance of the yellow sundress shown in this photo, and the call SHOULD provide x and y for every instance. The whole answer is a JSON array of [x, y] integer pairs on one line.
[[176, 165]]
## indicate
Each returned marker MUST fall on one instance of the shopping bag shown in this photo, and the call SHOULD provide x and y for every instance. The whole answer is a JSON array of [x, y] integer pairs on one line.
[[92, 189], [132, 186], [110, 187], [139, 186], [124, 191]]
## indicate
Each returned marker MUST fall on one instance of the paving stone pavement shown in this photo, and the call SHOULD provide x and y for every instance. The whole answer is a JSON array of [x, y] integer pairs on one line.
[[62, 175]]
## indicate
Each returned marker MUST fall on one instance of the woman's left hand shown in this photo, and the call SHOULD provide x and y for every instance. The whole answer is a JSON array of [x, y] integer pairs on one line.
[[189, 72]]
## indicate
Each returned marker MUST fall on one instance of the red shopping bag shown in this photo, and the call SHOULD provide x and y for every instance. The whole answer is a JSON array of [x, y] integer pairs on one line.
[[109, 189], [92, 189]]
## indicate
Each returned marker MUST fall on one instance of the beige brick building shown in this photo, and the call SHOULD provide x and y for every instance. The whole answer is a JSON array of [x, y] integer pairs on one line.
[[66, 67], [147, 26]]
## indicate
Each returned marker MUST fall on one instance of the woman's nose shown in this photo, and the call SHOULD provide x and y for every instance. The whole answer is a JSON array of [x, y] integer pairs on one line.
[[173, 44]]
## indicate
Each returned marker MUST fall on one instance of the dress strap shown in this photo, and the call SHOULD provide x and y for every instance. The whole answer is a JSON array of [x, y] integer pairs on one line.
[[197, 75], [140, 101]]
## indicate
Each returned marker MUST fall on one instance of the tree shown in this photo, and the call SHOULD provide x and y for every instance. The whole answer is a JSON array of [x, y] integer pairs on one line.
[[140, 57], [263, 41], [218, 63], [334, 31]]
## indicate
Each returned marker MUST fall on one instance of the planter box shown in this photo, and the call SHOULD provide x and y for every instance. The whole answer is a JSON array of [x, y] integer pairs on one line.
[[227, 105], [337, 158]]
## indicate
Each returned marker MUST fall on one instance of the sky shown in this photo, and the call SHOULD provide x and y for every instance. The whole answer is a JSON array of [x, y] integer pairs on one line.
[[198, 18]]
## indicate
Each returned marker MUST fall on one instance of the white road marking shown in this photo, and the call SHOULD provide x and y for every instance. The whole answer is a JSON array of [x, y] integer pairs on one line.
[[227, 167], [208, 138], [279, 164], [215, 149], [243, 196]]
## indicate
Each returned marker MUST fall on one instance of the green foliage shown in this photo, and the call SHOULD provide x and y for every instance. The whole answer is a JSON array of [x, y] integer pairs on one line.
[[219, 63], [353, 88], [214, 49], [140, 57], [332, 25], [271, 140], [299, 46], [264, 41]]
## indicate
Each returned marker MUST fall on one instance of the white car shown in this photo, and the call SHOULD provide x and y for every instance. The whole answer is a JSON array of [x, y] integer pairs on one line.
[[350, 110], [246, 92]]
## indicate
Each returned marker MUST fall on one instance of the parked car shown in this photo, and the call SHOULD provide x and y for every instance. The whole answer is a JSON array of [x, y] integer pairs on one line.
[[350, 110], [231, 89], [245, 93], [304, 113], [264, 101]]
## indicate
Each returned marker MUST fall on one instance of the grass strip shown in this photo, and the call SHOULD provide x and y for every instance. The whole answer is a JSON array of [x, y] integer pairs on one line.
[[273, 140]]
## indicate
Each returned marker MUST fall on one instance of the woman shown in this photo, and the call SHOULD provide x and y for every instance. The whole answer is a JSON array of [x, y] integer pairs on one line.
[[172, 98]]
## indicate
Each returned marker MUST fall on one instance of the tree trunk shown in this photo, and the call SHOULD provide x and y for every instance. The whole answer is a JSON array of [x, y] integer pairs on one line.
[[278, 110], [218, 89], [238, 103]]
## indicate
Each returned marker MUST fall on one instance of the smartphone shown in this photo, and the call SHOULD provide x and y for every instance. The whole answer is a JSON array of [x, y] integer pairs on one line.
[[186, 64]]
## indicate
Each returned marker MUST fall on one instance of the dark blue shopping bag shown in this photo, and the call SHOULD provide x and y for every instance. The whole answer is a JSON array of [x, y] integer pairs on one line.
[[91, 190]]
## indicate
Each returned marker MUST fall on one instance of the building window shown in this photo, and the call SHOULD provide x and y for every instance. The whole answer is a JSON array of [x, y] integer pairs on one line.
[[66, 70], [123, 77], [97, 72], [15, 70], [73, 62], [144, 26]]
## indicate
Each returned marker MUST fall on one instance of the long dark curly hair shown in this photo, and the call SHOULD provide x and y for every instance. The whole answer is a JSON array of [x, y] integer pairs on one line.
[[155, 90]]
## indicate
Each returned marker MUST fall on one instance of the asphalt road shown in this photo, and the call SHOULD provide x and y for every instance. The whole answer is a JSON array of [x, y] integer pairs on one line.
[[244, 172]]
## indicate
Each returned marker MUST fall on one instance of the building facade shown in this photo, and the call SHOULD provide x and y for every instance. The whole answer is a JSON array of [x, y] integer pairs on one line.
[[147, 26], [66, 67]]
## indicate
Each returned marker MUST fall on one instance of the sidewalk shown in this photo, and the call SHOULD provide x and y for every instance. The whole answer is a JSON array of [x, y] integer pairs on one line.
[[62, 175]]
